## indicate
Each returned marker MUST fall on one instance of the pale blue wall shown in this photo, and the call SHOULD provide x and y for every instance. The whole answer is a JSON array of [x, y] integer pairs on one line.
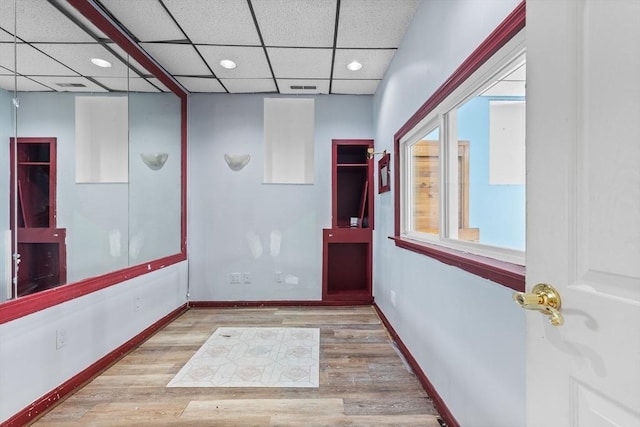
[[228, 209], [6, 131], [497, 210], [464, 331], [90, 212]]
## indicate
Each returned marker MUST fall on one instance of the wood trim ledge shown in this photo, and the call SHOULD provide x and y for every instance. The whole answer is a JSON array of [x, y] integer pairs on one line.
[[510, 275]]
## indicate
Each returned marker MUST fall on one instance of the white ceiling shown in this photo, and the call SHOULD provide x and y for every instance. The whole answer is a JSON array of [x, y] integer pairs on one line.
[[279, 46]]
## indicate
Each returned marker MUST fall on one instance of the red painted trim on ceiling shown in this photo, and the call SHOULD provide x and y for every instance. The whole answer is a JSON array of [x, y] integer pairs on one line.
[[505, 273], [38, 407], [89, 11], [509, 275], [234, 304], [440, 405]]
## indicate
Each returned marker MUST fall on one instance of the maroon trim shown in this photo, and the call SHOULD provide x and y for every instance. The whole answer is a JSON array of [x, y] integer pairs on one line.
[[504, 273], [34, 410], [95, 16], [510, 275], [442, 408], [233, 304], [29, 304], [183, 176]]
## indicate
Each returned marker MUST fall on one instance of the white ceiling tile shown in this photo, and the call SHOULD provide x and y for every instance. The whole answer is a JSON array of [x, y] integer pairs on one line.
[[321, 86], [5, 71], [5, 37], [363, 25], [181, 59], [159, 84], [297, 63], [201, 84], [251, 62], [31, 61], [39, 21], [24, 84], [57, 83], [374, 63], [296, 23], [84, 21], [354, 87], [78, 57], [249, 85], [146, 19], [133, 84], [215, 21]]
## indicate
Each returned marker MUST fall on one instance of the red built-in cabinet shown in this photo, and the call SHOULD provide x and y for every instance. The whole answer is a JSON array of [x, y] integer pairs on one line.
[[346, 254], [41, 244]]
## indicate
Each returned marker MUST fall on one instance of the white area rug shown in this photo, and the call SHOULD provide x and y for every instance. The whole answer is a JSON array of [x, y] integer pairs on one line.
[[254, 357]]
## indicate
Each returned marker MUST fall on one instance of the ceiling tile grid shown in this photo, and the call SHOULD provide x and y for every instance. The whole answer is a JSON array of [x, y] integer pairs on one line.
[[223, 22], [252, 60], [285, 46], [296, 23]]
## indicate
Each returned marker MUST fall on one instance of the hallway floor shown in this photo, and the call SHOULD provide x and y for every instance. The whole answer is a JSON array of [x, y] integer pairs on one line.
[[363, 381]]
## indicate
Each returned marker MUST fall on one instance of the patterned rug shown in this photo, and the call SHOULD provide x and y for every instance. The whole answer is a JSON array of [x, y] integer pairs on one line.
[[254, 357]]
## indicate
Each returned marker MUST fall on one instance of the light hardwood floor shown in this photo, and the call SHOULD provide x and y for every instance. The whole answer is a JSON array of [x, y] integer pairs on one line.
[[363, 381]]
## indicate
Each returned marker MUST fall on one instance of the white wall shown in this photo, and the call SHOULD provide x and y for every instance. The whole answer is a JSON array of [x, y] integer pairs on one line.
[[232, 214], [94, 325], [464, 331]]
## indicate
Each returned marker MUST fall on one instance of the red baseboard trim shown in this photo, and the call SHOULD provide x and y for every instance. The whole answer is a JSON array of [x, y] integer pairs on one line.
[[249, 304], [444, 412], [37, 408]]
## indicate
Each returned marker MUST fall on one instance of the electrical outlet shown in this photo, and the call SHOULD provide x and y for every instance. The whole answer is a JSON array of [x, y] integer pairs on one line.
[[236, 278], [246, 277], [136, 304], [278, 276], [393, 298], [61, 338]]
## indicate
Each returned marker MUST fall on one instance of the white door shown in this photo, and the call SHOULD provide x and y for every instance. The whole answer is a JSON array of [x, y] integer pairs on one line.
[[583, 207]]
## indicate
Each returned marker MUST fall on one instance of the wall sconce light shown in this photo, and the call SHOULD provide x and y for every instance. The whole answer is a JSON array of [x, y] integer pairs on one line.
[[371, 153], [236, 161], [155, 161]]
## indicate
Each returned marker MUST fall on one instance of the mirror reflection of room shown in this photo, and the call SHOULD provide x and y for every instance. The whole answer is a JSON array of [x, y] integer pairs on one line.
[[77, 121]]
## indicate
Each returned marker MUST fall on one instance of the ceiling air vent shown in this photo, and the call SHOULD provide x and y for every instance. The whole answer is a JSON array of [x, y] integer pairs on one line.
[[302, 87], [71, 84]]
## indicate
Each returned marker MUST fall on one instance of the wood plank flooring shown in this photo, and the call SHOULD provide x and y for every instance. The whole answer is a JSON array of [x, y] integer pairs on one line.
[[363, 381]]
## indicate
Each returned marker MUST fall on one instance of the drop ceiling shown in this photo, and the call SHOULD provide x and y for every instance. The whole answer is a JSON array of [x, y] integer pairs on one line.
[[279, 46]]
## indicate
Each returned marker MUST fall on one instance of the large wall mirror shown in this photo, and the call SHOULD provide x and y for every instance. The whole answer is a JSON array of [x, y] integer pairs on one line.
[[91, 148]]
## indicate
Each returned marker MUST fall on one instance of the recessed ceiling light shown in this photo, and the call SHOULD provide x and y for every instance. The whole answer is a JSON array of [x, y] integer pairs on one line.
[[354, 66], [101, 62], [228, 64]]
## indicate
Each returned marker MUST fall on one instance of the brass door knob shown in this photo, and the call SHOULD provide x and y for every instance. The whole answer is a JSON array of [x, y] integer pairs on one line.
[[544, 298]]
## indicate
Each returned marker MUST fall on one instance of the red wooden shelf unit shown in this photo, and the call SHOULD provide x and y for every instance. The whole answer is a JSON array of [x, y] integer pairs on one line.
[[41, 245], [346, 252]]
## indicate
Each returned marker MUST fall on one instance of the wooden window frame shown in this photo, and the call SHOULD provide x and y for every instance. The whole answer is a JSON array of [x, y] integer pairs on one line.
[[505, 273]]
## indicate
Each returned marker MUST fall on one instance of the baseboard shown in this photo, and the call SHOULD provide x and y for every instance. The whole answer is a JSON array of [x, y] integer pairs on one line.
[[38, 407], [441, 407], [303, 303]]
